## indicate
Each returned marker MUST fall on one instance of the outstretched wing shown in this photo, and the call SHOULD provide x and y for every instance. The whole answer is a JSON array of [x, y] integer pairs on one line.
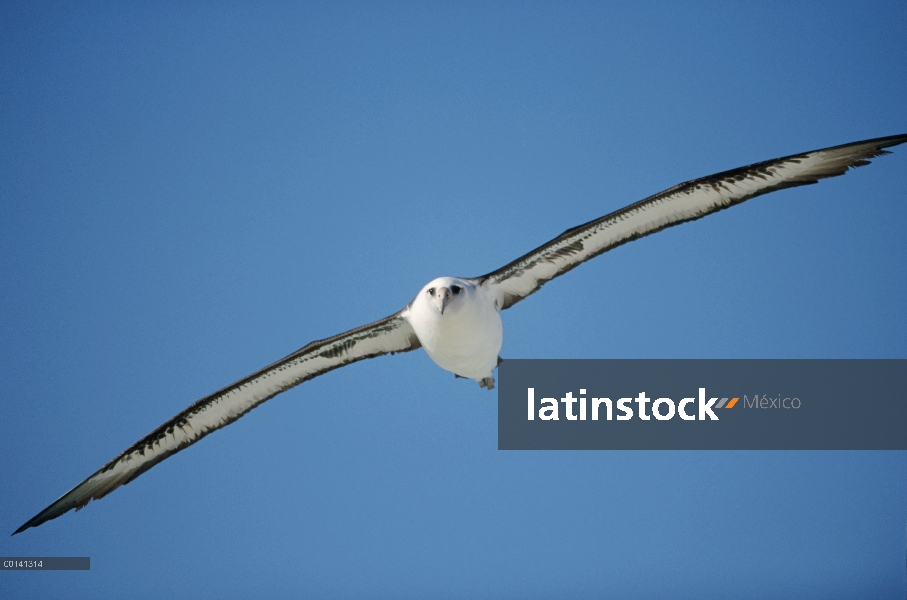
[[685, 202], [221, 408]]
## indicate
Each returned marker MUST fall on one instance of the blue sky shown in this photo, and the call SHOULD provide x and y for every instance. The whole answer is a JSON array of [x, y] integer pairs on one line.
[[190, 193]]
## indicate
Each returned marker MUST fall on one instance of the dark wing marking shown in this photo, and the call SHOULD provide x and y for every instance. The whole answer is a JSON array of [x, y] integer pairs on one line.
[[392, 334], [685, 202]]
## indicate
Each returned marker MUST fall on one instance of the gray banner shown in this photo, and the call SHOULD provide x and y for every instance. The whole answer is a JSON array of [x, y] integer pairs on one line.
[[45, 563], [702, 405]]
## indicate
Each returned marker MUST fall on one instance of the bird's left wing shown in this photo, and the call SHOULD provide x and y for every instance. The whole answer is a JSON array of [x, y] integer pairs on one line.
[[682, 203], [392, 334]]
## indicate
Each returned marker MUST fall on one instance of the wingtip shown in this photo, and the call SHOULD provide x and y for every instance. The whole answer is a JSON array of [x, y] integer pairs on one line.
[[33, 522], [890, 141], [48, 514], [21, 529]]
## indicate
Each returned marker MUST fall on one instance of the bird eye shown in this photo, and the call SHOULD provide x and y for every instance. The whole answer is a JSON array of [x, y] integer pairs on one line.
[[431, 291], [455, 289]]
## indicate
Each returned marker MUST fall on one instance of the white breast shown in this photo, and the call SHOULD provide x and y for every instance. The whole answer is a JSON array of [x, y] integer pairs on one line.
[[466, 339]]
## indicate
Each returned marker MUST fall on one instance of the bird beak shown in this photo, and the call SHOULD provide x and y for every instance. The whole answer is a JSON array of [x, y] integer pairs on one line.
[[442, 298]]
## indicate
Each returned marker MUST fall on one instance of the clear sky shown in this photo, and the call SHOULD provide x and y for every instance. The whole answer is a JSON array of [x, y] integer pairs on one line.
[[190, 193]]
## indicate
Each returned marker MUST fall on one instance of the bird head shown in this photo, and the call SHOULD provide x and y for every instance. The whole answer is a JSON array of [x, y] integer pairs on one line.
[[444, 292]]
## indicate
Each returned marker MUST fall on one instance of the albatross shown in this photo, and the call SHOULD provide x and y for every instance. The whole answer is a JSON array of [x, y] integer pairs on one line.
[[457, 319]]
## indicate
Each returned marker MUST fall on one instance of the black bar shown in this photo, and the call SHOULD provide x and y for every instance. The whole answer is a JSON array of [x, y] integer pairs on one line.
[[780, 404], [45, 563]]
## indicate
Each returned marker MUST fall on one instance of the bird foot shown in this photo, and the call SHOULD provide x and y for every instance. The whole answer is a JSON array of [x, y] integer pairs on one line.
[[488, 382]]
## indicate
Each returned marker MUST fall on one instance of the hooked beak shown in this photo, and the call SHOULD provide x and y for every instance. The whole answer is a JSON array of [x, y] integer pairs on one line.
[[442, 298]]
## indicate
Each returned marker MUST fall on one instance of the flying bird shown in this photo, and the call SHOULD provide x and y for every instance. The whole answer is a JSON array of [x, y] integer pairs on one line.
[[457, 319]]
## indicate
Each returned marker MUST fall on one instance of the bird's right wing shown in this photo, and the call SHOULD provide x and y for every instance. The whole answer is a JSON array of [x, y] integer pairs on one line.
[[685, 202], [392, 334]]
